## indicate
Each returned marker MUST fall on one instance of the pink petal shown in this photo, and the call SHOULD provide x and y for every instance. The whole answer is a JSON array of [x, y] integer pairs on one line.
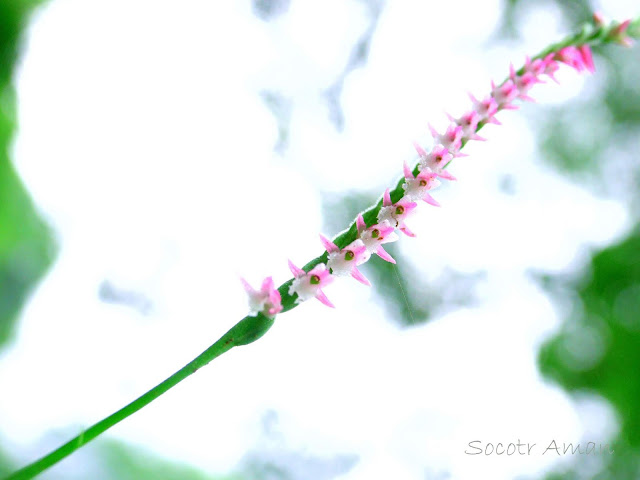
[[477, 137], [267, 285], [328, 244], [408, 174], [382, 253], [420, 150], [528, 98], [620, 29], [323, 274], [587, 57], [446, 175], [404, 229], [386, 199], [323, 298], [360, 223], [598, 18], [430, 200], [297, 272], [275, 298], [248, 288], [384, 231], [357, 274]]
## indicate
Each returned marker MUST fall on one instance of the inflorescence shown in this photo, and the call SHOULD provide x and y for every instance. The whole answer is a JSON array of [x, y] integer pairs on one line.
[[425, 177]]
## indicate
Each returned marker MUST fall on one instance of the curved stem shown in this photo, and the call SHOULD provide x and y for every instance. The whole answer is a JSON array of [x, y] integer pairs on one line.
[[244, 332], [249, 329]]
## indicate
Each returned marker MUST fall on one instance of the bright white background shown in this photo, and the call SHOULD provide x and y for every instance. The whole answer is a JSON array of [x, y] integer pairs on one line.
[[147, 146]]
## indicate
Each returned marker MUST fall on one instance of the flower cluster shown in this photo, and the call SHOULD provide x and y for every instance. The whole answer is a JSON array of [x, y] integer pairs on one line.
[[419, 181]]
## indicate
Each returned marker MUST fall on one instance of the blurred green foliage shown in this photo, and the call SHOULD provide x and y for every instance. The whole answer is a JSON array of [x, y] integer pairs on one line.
[[26, 248], [597, 349], [119, 461]]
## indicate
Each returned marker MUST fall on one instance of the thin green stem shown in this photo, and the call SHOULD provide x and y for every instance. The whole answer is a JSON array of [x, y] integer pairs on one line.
[[244, 332], [249, 329]]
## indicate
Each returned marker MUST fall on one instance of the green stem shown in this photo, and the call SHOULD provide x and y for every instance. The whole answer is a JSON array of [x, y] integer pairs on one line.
[[244, 332], [249, 329]]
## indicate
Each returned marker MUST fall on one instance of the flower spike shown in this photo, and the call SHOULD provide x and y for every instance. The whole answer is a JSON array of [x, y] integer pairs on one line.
[[431, 167]]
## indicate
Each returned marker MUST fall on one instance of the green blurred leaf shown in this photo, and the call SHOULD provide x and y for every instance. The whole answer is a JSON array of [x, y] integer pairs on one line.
[[26, 248], [598, 348]]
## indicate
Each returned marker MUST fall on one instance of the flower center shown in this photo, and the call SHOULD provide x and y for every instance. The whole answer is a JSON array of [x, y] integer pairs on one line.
[[349, 255], [399, 210], [423, 183], [375, 233], [315, 280]]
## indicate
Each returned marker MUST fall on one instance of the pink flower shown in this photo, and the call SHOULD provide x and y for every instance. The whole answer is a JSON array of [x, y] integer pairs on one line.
[[469, 123], [435, 161], [417, 188], [396, 213], [523, 82], [619, 34], [375, 236], [309, 284], [451, 139], [550, 66], [504, 94], [346, 261], [587, 57], [536, 67], [580, 59], [486, 108], [266, 301]]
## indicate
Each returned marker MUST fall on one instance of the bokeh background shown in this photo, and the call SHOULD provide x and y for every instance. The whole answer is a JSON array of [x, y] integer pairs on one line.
[[152, 152]]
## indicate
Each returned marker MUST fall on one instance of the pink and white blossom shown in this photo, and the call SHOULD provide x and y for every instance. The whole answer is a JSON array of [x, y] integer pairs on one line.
[[504, 94], [451, 139], [267, 300], [523, 82], [550, 66], [417, 188], [396, 213], [469, 123], [310, 284], [435, 161], [486, 108], [345, 261], [579, 58], [375, 236]]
